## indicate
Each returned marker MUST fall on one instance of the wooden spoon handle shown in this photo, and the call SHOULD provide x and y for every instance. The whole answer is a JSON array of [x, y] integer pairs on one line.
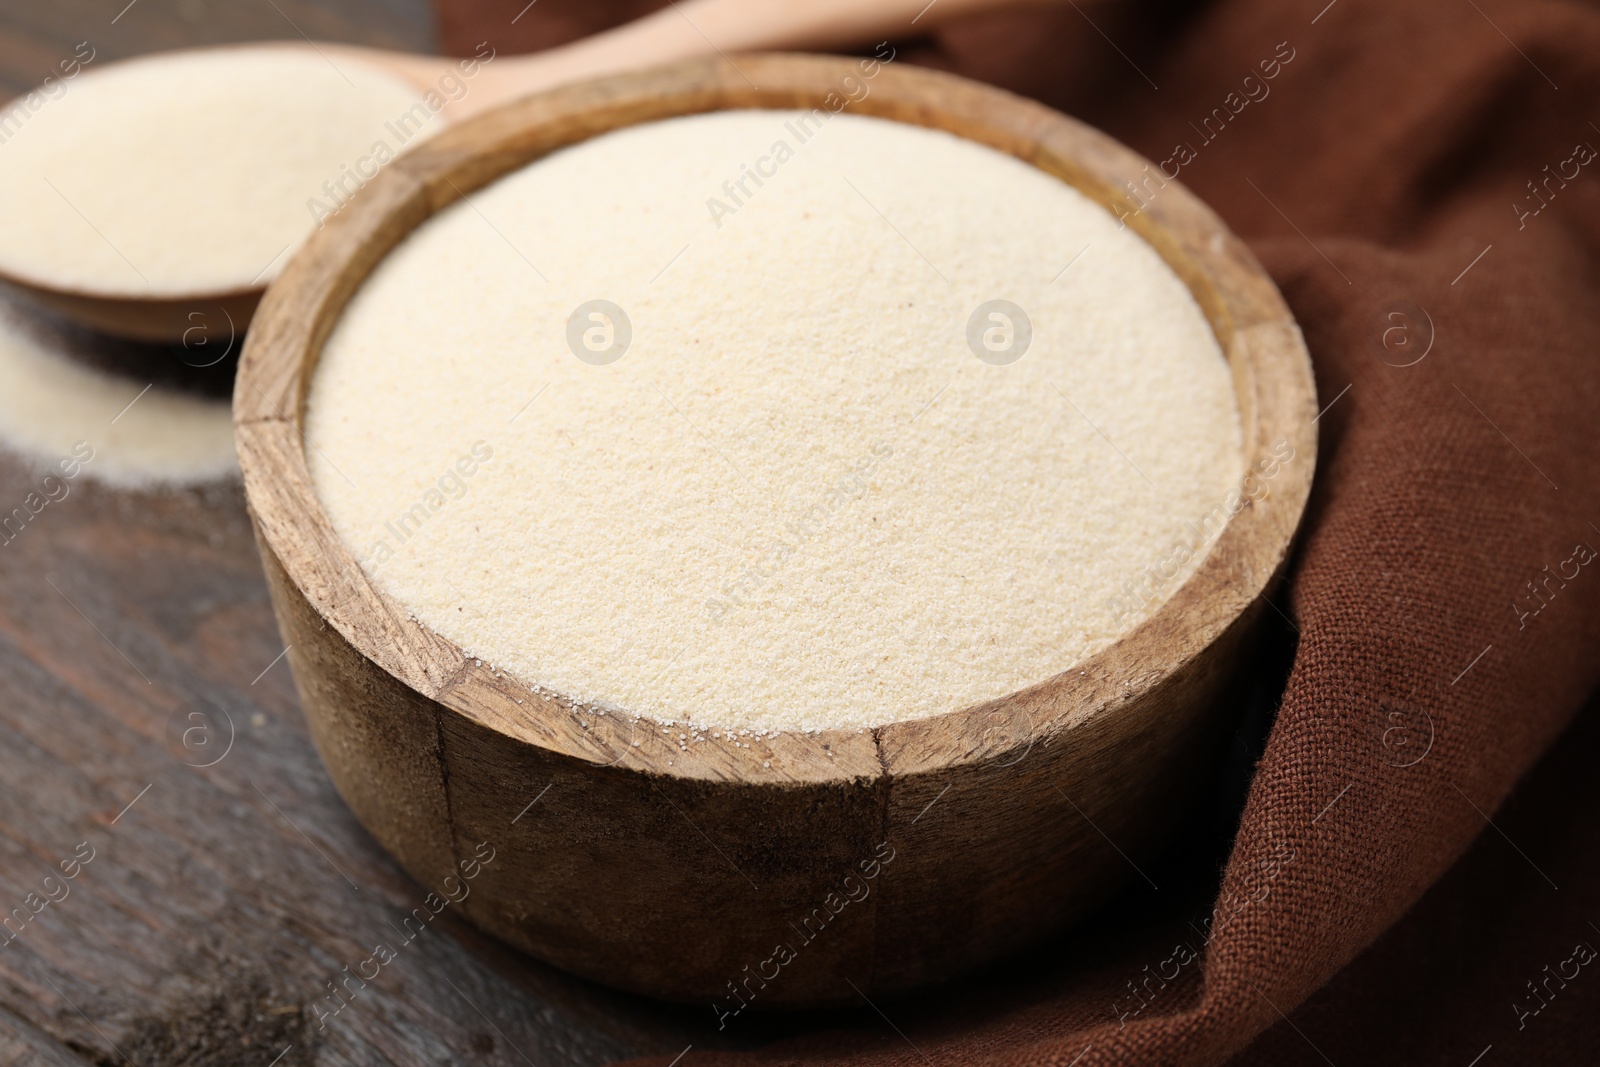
[[689, 30]]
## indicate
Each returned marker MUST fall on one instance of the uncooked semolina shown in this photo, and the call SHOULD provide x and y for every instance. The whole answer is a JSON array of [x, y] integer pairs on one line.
[[187, 173], [763, 452]]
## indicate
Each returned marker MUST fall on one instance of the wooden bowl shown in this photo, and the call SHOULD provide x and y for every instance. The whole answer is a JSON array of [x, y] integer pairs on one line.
[[799, 869]]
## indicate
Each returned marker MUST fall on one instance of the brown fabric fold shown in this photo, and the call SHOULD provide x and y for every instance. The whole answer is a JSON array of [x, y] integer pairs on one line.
[[1422, 180]]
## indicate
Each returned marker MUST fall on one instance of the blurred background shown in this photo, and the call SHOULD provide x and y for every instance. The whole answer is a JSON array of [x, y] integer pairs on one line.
[[34, 36]]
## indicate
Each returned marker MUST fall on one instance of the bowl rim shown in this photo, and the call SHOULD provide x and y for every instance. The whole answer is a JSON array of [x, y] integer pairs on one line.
[[1268, 361]]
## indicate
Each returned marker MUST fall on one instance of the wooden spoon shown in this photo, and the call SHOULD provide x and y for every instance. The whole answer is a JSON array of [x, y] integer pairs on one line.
[[693, 29]]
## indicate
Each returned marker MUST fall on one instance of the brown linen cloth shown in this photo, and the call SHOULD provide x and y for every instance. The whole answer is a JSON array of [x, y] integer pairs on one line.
[[1421, 180]]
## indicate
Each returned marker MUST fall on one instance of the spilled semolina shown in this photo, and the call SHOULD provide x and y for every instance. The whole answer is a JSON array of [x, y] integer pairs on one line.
[[69, 399]]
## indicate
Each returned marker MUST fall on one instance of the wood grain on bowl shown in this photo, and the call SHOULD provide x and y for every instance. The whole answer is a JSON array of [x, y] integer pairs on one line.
[[797, 868]]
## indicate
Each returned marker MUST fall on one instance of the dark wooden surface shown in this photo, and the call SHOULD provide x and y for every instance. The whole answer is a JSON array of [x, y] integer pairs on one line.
[[216, 908]]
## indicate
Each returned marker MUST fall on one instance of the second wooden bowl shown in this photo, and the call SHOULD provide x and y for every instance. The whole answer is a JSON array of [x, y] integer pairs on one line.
[[799, 869]]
